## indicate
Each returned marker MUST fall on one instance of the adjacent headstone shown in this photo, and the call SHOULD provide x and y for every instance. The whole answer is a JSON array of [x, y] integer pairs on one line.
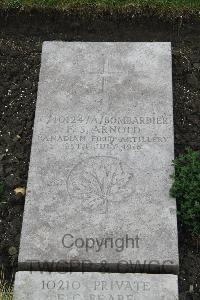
[[94, 286], [99, 176]]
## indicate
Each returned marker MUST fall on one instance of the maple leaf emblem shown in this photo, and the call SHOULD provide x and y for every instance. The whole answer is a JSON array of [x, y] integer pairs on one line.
[[99, 180]]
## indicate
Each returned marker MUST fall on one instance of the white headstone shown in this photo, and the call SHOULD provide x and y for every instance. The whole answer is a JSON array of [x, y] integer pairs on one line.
[[99, 176], [94, 286]]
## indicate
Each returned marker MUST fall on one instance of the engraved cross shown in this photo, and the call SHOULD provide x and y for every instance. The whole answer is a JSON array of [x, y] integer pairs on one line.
[[105, 73]]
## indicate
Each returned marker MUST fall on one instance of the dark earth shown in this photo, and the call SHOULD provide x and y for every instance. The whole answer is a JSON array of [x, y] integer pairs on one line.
[[21, 38]]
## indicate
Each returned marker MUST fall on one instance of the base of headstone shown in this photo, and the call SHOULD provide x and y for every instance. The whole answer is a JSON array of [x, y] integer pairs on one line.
[[148, 266], [94, 286]]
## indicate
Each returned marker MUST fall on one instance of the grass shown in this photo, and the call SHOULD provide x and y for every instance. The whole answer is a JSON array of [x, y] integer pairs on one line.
[[6, 289], [180, 5], [186, 188]]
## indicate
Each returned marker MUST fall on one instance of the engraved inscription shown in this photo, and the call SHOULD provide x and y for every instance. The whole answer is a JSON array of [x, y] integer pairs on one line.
[[102, 290], [99, 181], [101, 132], [97, 290]]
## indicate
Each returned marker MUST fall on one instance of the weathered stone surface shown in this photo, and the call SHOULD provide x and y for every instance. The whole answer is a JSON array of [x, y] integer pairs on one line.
[[95, 286], [99, 176]]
